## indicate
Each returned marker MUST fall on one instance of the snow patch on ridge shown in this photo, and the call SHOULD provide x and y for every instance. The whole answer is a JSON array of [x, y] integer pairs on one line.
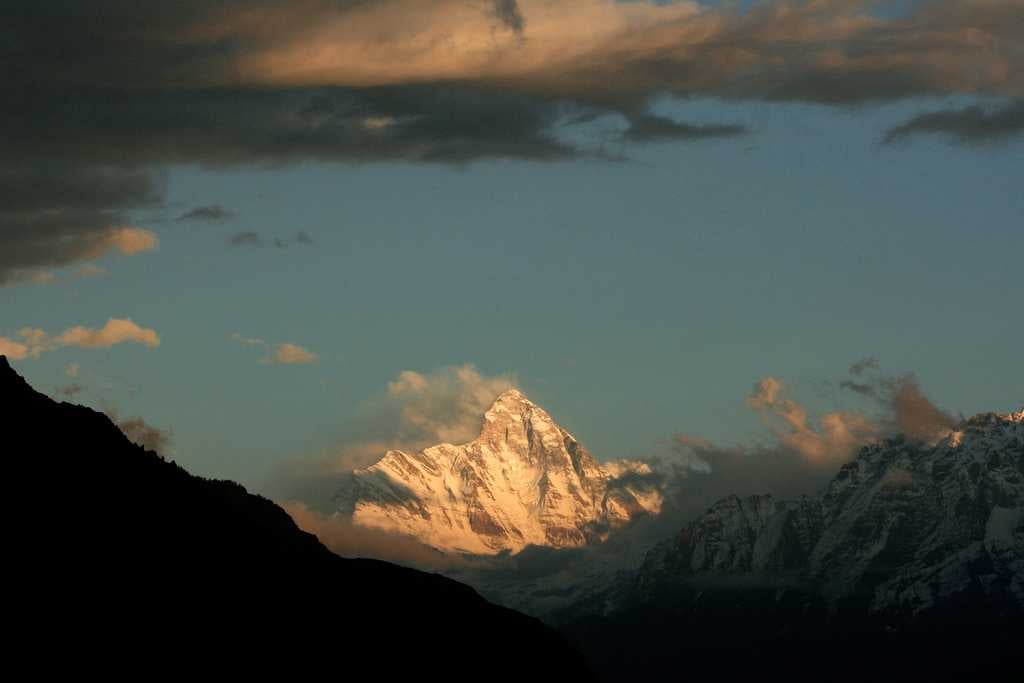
[[523, 481]]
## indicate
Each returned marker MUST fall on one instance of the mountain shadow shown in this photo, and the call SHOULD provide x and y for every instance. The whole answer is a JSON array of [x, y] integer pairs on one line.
[[122, 563]]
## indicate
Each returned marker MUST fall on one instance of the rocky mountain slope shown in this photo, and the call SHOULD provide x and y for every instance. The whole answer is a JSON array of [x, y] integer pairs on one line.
[[902, 527], [524, 481], [118, 561], [908, 566]]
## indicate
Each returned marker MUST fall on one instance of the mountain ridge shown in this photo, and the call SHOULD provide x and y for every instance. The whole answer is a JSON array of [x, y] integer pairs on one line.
[[524, 480], [908, 565], [119, 556]]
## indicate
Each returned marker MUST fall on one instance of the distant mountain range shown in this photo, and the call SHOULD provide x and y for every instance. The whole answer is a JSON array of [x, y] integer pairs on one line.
[[908, 566], [523, 481], [902, 528], [119, 562]]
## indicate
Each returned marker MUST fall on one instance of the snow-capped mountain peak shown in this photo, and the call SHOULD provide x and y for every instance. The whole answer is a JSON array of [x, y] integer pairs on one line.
[[523, 481], [905, 525]]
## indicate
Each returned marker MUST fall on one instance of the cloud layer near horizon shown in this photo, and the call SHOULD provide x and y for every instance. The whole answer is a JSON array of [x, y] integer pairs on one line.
[[283, 353], [101, 96], [804, 449], [32, 342], [415, 410]]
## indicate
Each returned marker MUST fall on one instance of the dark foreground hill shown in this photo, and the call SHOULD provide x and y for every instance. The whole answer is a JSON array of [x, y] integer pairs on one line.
[[120, 562]]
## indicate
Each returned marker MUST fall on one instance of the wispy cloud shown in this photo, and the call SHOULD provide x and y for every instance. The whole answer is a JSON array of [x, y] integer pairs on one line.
[[803, 449], [283, 353], [214, 213], [70, 390], [290, 354], [141, 432], [249, 238], [415, 410], [651, 128], [970, 126], [33, 342]]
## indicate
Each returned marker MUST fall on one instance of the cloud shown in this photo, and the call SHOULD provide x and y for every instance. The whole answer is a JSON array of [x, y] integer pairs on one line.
[[90, 270], [57, 212], [100, 102], [115, 331], [969, 126], [141, 432], [290, 354], [858, 368], [69, 390], [416, 410], [444, 406], [284, 353], [349, 540], [510, 16], [245, 239], [214, 213], [906, 409], [831, 437], [14, 350], [804, 449], [650, 128], [247, 341], [254, 239], [699, 473], [72, 370], [34, 342]]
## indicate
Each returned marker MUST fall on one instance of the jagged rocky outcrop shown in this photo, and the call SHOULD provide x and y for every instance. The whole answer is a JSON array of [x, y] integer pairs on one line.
[[907, 567], [903, 526], [523, 481], [120, 562]]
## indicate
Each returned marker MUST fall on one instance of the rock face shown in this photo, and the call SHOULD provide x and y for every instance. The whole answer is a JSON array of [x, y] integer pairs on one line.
[[907, 567], [902, 528], [523, 481]]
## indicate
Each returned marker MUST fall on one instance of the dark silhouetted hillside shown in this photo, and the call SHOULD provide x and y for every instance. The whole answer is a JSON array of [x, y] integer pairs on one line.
[[120, 562]]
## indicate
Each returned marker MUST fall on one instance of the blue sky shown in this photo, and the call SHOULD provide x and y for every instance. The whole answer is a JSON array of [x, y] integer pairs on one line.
[[633, 299], [474, 193]]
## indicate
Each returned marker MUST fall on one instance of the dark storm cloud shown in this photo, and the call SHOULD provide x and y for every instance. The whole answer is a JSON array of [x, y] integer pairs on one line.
[[97, 96], [510, 15], [650, 128], [969, 126], [53, 214], [214, 213], [229, 127], [124, 88]]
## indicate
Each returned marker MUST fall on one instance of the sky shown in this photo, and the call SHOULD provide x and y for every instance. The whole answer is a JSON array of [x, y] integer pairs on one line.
[[245, 233]]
